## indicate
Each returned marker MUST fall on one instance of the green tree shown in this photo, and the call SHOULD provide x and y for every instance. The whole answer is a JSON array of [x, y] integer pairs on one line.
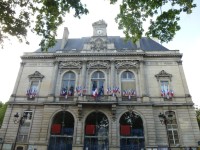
[[198, 116], [163, 15], [17, 16], [3, 108]]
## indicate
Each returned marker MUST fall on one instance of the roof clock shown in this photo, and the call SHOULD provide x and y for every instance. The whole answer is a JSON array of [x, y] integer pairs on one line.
[[99, 28]]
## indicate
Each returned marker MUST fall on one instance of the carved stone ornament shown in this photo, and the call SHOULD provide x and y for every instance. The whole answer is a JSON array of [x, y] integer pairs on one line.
[[130, 108], [98, 64], [163, 74], [100, 22], [98, 44], [70, 64], [36, 75], [126, 64]]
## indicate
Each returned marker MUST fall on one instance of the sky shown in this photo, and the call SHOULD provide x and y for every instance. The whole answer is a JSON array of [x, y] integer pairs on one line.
[[187, 40]]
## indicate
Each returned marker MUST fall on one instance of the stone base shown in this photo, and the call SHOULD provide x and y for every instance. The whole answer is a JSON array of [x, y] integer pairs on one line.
[[77, 147]]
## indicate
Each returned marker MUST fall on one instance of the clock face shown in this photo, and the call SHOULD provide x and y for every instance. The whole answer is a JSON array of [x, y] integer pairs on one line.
[[99, 32]]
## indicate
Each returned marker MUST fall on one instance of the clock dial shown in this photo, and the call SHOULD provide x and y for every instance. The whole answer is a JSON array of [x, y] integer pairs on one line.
[[99, 32]]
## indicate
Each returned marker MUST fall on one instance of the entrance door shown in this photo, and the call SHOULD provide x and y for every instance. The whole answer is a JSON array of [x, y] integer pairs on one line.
[[131, 132], [62, 130], [96, 132]]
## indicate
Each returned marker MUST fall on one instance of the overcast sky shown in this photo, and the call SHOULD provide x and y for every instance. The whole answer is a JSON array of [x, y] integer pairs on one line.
[[187, 40]]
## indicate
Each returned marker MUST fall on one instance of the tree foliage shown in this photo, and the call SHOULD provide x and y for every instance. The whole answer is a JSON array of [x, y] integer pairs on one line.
[[17, 16], [198, 116], [163, 15], [3, 108], [45, 16]]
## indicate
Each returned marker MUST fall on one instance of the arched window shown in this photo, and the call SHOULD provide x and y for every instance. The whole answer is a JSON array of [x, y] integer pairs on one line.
[[96, 131], [128, 85], [131, 131], [62, 130], [172, 128], [68, 84], [97, 81]]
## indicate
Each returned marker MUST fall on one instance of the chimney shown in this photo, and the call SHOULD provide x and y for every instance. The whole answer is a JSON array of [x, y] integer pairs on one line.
[[65, 37]]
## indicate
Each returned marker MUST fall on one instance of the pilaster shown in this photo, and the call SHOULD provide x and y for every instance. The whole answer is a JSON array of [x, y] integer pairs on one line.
[[182, 75], [53, 82], [17, 81], [83, 74], [112, 74]]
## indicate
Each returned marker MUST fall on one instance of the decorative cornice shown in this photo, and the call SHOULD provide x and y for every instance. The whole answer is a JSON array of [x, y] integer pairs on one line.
[[36, 75], [126, 64], [79, 54], [163, 74], [70, 64], [98, 63]]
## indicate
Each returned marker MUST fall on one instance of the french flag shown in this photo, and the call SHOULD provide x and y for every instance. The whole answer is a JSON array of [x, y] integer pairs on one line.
[[95, 92]]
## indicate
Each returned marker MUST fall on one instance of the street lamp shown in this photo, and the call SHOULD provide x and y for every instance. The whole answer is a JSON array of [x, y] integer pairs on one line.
[[166, 120], [20, 121]]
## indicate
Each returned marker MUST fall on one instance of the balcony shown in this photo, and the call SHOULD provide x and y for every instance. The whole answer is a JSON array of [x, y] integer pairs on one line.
[[103, 99], [129, 98]]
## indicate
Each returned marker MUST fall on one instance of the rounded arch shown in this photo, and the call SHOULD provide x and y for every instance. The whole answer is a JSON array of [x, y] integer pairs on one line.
[[131, 130], [98, 80], [105, 113], [128, 84], [127, 70], [61, 130], [68, 83], [96, 132], [99, 70]]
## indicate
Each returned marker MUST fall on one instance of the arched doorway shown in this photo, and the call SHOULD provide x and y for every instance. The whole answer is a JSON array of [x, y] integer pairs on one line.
[[62, 130], [96, 132], [131, 131]]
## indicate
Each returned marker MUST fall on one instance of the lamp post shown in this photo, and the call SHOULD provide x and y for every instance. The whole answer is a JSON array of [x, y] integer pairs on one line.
[[20, 121], [165, 120]]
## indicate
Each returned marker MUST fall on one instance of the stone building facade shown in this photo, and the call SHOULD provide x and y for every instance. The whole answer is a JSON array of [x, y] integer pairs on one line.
[[100, 92]]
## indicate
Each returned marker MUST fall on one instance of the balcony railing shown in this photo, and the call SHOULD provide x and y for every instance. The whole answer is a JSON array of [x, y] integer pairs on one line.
[[129, 98], [97, 99]]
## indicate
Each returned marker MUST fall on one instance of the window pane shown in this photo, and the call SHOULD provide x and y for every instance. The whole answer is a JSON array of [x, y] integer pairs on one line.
[[34, 85], [69, 75], [165, 86], [72, 76], [94, 85], [130, 75], [95, 75], [7, 146], [101, 75], [176, 141], [68, 83], [98, 75], [127, 75]]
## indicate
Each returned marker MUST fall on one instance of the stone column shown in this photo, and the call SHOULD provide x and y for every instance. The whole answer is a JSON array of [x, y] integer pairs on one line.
[[142, 79], [142, 82], [183, 79], [17, 81], [79, 131], [53, 82], [79, 141], [114, 141]]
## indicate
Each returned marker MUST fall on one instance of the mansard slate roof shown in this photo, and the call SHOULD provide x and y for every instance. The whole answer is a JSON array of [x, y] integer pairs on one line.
[[145, 44]]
